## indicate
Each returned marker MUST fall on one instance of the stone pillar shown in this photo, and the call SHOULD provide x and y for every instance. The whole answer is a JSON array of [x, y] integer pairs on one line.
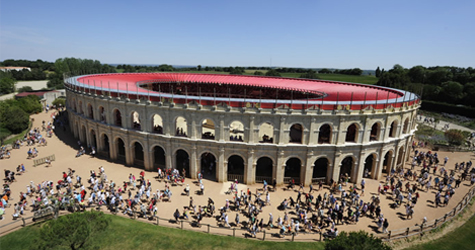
[[168, 156], [313, 133], [251, 130], [280, 168], [250, 169], [281, 133], [375, 169], [336, 169], [129, 155], [193, 128], [193, 163], [220, 168], [220, 135], [308, 169], [112, 147], [359, 167]]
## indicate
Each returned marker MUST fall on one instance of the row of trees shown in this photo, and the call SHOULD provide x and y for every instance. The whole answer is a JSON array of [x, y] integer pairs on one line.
[[452, 85]]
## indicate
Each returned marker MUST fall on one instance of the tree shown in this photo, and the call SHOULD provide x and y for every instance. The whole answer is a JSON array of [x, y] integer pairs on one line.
[[377, 73], [258, 73], [356, 241], [452, 92], [25, 89], [199, 67], [15, 119], [325, 71], [7, 84], [417, 74], [311, 74], [454, 137], [59, 102], [272, 72], [75, 230]]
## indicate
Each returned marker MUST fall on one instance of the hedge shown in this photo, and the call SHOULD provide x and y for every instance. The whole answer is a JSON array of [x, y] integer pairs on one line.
[[448, 108]]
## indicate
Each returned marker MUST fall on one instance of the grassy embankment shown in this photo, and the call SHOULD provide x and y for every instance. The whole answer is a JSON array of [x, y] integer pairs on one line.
[[124, 233]]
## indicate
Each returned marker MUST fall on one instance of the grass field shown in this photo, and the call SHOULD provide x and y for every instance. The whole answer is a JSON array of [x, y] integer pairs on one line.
[[125, 233], [461, 238]]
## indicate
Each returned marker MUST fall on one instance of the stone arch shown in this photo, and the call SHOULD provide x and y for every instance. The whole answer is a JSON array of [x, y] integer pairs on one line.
[[138, 153], [90, 111], [208, 165], [83, 136], [375, 132], [236, 131], [387, 162], [324, 134], [346, 166], [266, 132], [236, 168], [393, 129], [293, 167], [264, 169], [181, 126], [182, 161], [370, 166], [135, 120], [80, 108], [102, 114], [121, 152], [296, 133], [352, 133], [157, 124], [158, 157], [208, 130], [320, 170], [105, 144], [400, 156], [405, 129], [93, 138], [117, 116]]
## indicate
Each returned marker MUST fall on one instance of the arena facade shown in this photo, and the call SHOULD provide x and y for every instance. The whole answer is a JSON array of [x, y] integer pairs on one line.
[[243, 127]]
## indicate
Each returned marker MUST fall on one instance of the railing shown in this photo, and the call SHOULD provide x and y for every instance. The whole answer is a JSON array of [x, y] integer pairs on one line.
[[296, 179], [239, 177], [261, 179], [318, 179], [269, 234]]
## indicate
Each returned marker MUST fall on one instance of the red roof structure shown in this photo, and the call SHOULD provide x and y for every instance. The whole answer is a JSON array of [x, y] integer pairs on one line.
[[317, 93]]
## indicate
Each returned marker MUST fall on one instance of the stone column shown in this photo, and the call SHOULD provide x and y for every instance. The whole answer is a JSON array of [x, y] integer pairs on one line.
[[168, 156], [360, 167], [280, 168], [313, 133], [250, 169], [251, 130], [281, 133], [337, 167], [193, 163], [220, 168], [220, 136], [308, 171]]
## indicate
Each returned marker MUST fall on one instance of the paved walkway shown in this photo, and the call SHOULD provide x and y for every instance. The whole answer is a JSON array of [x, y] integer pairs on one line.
[[63, 145], [441, 125]]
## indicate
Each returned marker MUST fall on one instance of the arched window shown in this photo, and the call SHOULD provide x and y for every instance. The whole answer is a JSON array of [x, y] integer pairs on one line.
[[136, 121], [102, 114], [324, 135], [406, 126], [90, 112], [296, 132], [236, 131], [207, 129], [374, 135], [266, 132], [157, 124], [392, 129], [351, 133], [181, 127], [117, 118]]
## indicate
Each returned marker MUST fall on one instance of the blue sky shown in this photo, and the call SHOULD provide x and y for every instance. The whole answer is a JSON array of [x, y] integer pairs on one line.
[[313, 34]]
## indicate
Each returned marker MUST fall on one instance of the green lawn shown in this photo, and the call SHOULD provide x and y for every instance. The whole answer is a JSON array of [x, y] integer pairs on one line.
[[124, 233], [461, 238]]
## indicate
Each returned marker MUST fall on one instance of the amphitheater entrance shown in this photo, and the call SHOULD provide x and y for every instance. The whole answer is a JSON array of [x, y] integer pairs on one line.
[[320, 170], [368, 171], [292, 170], [208, 166], [138, 155], [388, 158], [105, 145], [120, 150], [158, 158], [182, 161], [93, 141], [346, 167], [236, 168], [264, 169]]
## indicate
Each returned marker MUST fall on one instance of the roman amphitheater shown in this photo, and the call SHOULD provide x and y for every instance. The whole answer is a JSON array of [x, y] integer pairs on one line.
[[243, 127]]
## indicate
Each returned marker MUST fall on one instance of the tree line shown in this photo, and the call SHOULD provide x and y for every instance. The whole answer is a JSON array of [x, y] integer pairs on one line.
[[454, 85]]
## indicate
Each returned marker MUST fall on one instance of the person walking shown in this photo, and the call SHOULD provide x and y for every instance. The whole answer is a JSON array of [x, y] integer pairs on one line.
[[385, 226]]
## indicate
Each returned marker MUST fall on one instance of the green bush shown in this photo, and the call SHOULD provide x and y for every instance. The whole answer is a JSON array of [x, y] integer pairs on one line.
[[59, 101], [454, 137], [15, 119], [24, 89], [356, 241], [30, 104]]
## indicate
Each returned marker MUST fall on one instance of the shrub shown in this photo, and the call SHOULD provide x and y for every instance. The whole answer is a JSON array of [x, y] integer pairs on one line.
[[24, 89], [59, 101], [15, 119], [454, 136], [356, 241]]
